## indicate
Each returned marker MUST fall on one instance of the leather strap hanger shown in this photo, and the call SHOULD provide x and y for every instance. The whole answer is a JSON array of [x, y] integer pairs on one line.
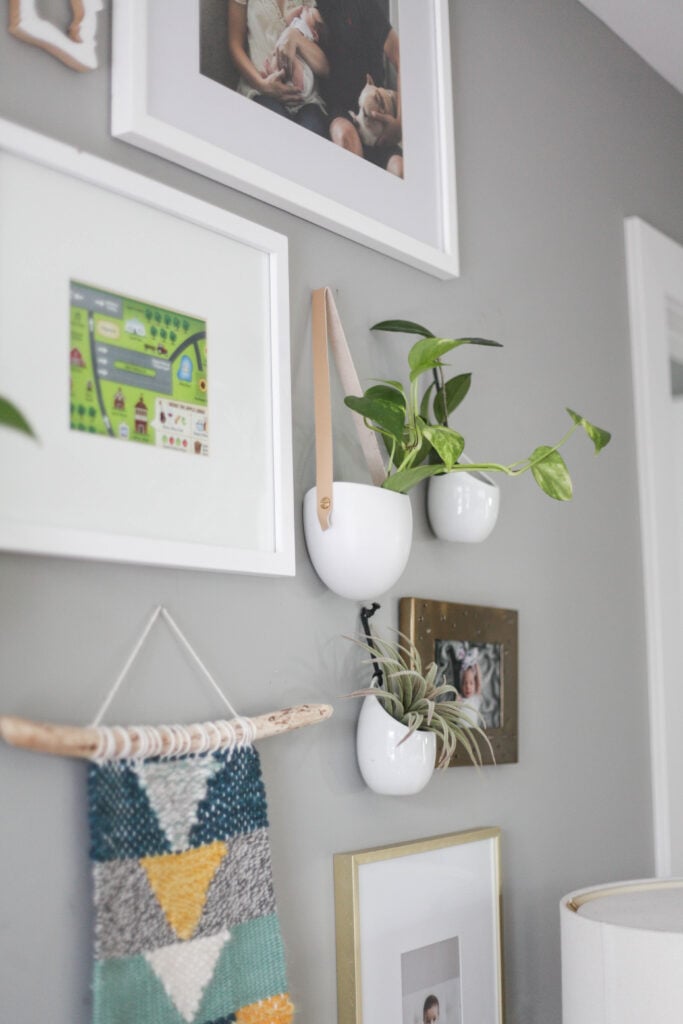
[[328, 334]]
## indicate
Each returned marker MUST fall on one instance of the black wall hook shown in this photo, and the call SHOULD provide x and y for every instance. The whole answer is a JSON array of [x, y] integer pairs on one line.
[[365, 616]]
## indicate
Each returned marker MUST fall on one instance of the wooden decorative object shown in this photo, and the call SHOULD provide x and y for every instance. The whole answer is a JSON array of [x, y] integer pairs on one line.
[[485, 635], [128, 742], [77, 48]]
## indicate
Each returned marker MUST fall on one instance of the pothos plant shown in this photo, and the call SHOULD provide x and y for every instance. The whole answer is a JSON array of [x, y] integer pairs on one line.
[[412, 695], [10, 416], [415, 429]]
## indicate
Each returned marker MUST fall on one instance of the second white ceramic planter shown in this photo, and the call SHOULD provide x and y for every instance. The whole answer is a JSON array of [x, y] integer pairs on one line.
[[367, 546], [462, 506], [388, 766]]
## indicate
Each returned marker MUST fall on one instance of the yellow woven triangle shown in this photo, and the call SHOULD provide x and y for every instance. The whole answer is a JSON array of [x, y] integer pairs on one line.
[[180, 881]]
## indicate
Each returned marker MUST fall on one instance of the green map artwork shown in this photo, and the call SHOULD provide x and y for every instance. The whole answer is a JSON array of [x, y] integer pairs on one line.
[[138, 371]]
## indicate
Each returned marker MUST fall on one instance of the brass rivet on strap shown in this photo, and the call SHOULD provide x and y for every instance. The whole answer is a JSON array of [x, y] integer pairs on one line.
[[325, 503]]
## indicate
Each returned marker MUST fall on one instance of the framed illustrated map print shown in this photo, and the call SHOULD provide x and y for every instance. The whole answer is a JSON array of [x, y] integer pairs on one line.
[[144, 335]]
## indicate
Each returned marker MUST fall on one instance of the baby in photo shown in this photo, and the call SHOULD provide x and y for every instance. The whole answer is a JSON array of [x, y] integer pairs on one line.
[[308, 21]]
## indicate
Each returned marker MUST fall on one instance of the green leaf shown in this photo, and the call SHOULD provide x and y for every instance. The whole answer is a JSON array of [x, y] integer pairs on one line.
[[402, 327], [424, 404], [389, 416], [456, 388], [392, 702], [446, 442], [414, 723], [430, 674], [11, 417], [426, 354], [407, 478], [394, 450], [423, 453], [417, 694], [387, 391], [598, 436], [551, 473]]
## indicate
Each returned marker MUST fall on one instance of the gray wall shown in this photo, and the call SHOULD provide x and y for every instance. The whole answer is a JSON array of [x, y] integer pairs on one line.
[[561, 132]]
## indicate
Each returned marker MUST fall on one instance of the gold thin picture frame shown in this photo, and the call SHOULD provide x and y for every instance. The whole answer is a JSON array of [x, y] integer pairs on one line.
[[427, 622], [461, 872]]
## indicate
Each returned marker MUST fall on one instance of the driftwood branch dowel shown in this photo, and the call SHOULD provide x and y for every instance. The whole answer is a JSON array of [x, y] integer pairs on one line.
[[134, 741]]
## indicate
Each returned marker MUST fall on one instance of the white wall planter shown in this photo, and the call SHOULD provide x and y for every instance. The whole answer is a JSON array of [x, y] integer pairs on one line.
[[366, 548], [462, 506], [388, 766]]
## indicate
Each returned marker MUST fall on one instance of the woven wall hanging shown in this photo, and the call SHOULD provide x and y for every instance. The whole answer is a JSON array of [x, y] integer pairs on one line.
[[186, 925]]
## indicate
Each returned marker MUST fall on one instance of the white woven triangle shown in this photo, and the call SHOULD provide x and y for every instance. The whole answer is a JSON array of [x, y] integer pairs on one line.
[[185, 969], [175, 790]]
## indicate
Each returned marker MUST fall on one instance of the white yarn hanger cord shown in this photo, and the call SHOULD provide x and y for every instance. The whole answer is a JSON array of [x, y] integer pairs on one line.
[[176, 740]]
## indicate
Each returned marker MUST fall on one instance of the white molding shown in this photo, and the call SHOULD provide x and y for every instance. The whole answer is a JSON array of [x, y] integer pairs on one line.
[[655, 271]]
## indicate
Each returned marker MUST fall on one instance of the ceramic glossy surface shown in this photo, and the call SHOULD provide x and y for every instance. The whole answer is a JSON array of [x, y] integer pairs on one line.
[[387, 765], [367, 546], [462, 506]]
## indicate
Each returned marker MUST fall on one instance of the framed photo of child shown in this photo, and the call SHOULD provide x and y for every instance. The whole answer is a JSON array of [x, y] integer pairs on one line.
[[432, 955], [430, 983], [475, 649], [339, 111]]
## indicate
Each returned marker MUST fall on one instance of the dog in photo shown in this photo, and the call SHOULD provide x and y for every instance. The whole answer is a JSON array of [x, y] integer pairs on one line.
[[372, 100]]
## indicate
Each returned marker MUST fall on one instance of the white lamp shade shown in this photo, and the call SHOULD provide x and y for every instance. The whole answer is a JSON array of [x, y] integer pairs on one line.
[[622, 954]]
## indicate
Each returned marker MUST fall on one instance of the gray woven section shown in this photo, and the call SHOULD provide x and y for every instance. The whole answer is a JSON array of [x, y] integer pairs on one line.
[[129, 917], [242, 888]]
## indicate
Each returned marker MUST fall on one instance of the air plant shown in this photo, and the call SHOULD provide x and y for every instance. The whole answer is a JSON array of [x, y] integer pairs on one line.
[[412, 694]]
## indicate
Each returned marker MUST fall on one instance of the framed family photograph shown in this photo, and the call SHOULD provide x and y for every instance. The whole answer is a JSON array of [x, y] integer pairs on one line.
[[145, 337], [475, 649], [339, 111], [432, 955]]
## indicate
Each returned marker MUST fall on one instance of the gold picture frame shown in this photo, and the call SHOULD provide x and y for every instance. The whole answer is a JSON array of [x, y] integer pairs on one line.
[[420, 921], [455, 633]]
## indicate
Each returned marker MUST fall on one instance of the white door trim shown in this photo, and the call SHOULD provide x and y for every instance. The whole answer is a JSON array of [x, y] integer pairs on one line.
[[655, 274]]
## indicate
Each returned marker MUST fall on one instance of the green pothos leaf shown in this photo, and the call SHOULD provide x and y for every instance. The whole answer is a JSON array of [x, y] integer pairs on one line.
[[598, 436], [550, 473], [402, 327], [10, 416]]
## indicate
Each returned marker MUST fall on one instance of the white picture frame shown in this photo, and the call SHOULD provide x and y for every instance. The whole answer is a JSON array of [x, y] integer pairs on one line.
[[417, 921], [170, 108], [65, 217]]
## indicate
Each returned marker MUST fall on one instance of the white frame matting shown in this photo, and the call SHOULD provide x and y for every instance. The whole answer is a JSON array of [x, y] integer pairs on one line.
[[655, 276], [67, 216], [394, 902], [168, 107]]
